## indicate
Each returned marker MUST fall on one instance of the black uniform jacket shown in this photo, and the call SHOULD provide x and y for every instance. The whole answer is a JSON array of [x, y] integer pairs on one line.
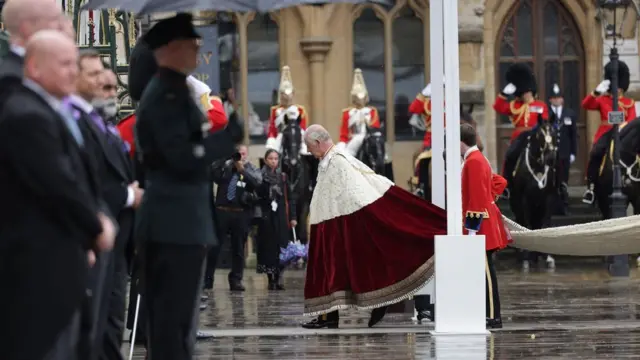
[[177, 151]]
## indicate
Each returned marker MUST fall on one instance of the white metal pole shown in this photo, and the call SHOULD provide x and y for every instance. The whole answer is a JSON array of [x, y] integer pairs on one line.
[[436, 54], [452, 109], [460, 295]]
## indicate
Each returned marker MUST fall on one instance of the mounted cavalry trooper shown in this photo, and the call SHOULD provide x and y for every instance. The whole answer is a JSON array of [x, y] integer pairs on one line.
[[565, 120], [357, 118], [524, 111], [283, 112], [601, 100], [421, 110]]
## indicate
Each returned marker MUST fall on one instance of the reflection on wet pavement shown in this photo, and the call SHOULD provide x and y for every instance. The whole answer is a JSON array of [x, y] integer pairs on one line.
[[577, 312]]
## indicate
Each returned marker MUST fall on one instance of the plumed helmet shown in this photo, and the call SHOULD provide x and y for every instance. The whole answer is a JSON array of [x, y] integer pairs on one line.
[[142, 67], [521, 76], [623, 74]]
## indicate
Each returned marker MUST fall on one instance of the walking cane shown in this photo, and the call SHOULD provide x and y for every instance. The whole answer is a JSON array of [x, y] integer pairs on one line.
[[135, 326]]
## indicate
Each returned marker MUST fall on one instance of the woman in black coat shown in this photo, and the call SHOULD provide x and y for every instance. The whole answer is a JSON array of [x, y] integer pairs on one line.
[[278, 216]]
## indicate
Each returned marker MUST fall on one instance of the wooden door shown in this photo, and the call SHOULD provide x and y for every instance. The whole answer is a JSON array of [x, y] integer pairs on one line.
[[543, 35]]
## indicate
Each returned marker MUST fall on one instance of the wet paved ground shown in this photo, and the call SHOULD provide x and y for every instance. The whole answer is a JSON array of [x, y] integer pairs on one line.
[[576, 312]]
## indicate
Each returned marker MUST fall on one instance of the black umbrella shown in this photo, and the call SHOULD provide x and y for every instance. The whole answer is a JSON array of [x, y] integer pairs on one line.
[[155, 6]]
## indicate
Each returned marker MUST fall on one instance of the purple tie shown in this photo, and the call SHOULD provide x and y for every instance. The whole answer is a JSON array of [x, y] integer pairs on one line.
[[97, 119]]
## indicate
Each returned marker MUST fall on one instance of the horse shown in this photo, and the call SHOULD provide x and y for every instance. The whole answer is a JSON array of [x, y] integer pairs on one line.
[[629, 168], [420, 183], [534, 185], [373, 152], [300, 170]]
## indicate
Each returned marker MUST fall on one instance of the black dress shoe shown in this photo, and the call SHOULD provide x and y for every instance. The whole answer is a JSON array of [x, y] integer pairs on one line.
[[236, 287], [428, 313], [279, 287], [377, 315], [494, 323], [203, 307], [204, 297], [318, 323]]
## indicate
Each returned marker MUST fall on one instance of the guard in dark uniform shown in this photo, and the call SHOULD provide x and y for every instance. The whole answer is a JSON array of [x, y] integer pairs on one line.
[[175, 221], [565, 120]]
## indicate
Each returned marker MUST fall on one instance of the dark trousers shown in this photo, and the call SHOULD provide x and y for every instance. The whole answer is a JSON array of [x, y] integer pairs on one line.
[[111, 325], [235, 225], [493, 295], [94, 311], [172, 285], [564, 165], [513, 153], [66, 347], [597, 154]]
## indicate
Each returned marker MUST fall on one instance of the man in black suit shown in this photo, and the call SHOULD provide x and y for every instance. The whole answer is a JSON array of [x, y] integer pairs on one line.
[[104, 315], [175, 219], [237, 181], [565, 120], [52, 223], [22, 19]]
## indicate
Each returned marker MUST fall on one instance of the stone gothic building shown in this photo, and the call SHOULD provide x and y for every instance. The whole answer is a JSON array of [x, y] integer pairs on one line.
[[563, 41]]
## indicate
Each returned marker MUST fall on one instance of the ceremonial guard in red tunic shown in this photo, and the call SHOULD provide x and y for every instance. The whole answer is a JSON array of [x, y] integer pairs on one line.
[[357, 118], [285, 110], [481, 213], [601, 100], [421, 110], [524, 111]]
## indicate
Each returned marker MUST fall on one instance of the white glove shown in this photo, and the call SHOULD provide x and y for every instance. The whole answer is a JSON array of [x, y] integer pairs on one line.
[[603, 87], [509, 89], [572, 158], [292, 112], [417, 122], [274, 143], [427, 91]]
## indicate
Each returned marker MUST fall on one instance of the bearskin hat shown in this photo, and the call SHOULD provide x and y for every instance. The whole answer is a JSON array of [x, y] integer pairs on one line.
[[521, 76], [142, 67], [623, 74]]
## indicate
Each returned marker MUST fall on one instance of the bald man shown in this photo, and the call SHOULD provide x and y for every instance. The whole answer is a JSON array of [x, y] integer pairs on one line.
[[22, 19], [376, 236], [50, 212]]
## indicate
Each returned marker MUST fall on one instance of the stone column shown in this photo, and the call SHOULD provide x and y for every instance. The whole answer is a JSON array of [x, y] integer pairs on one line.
[[316, 49]]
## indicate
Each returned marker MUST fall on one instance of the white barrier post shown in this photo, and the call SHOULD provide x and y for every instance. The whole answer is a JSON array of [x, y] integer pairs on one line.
[[460, 260]]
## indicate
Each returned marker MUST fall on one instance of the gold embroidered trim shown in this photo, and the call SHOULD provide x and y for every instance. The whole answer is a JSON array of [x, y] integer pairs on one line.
[[346, 299], [476, 214], [520, 113], [427, 101]]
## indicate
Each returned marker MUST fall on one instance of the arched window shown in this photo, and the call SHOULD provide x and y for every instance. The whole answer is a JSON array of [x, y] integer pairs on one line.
[[543, 35], [264, 73], [408, 69], [368, 55]]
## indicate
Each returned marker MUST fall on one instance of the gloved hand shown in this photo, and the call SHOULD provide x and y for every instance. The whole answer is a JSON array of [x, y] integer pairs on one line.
[[603, 87], [292, 112], [509, 89], [572, 158], [427, 91]]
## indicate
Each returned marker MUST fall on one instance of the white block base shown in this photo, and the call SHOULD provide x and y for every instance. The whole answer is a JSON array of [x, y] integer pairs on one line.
[[460, 286], [467, 347]]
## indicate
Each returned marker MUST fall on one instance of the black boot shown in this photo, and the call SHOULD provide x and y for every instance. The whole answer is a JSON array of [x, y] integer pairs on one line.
[[329, 321], [272, 281], [494, 323], [277, 278], [589, 196], [377, 315], [424, 307]]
